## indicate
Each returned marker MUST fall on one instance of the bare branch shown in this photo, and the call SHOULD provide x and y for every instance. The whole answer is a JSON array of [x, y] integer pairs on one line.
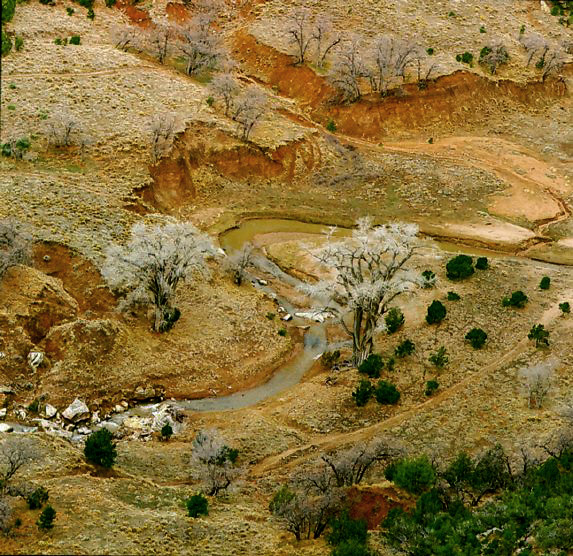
[[15, 246]]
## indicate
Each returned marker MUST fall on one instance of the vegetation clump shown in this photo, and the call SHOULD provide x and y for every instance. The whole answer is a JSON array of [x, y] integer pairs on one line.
[[372, 365], [453, 296], [545, 283], [37, 498], [197, 505], [386, 393], [363, 392], [517, 299], [330, 358], [482, 263], [46, 519], [439, 359], [431, 387], [394, 320], [459, 267], [100, 448], [404, 349], [565, 307], [476, 337], [414, 474], [539, 334], [436, 312]]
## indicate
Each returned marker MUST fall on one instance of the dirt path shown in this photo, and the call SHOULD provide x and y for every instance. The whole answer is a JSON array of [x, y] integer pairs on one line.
[[293, 456], [123, 69]]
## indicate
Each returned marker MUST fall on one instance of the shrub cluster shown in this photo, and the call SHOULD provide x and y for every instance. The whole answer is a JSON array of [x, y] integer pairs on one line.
[[394, 320], [436, 312], [459, 267], [517, 299], [100, 449], [197, 505]]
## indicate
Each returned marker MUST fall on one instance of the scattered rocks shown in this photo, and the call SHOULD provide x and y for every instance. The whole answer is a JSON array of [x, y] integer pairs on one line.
[[49, 411], [6, 428], [143, 393], [76, 411]]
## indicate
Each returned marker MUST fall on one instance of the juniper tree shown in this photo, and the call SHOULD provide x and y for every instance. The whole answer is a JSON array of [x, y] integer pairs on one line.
[[147, 271], [368, 271]]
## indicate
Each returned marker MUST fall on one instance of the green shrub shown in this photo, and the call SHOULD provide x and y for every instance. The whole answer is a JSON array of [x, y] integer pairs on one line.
[[100, 449], [440, 358], [34, 406], [281, 498], [46, 519], [545, 283], [351, 548], [70, 11], [11, 107], [88, 4], [436, 312], [390, 364], [539, 334], [6, 43], [453, 296], [465, 58], [565, 307], [522, 30], [166, 431], [482, 29], [394, 320], [343, 528], [430, 51], [110, 3], [429, 279], [386, 393], [270, 316], [91, 14], [371, 366], [482, 263], [407, 347], [363, 392], [197, 505], [330, 358], [282, 332], [459, 267], [414, 475], [12, 86], [48, 2], [37, 498], [8, 9], [74, 39], [517, 299], [18, 43], [476, 337], [331, 125], [210, 101], [431, 387]]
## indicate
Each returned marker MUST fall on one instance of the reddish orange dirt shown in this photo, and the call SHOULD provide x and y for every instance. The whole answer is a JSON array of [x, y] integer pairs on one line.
[[81, 279], [138, 16], [373, 503]]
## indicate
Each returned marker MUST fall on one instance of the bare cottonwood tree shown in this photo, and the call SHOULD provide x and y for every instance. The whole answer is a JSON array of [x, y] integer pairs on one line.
[[391, 58], [348, 69], [159, 39], [551, 63], [305, 513], [326, 39], [198, 44], [147, 271], [248, 109], [162, 127], [64, 129], [535, 46], [215, 460], [125, 37], [298, 30], [15, 245], [537, 381], [493, 56], [367, 272], [226, 87], [15, 453], [238, 261], [348, 467]]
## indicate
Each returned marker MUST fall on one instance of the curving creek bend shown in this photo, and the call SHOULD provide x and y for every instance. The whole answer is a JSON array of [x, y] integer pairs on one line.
[[314, 339]]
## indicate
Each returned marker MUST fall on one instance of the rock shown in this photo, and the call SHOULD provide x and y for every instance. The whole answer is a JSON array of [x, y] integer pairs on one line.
[[3, 413], [20, 413], [287, 317], [124, 404], [84, 430], [119, 408], [143, 393], [83, 340], [36, 301], [6, 428], [35, 359], [110, 426], [6, 390], [95, 417], [50, 411], [76, 411], [263, 282], [137, 423]]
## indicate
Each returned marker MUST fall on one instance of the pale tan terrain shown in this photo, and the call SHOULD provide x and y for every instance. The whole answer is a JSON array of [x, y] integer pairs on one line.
[[497, 178]]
